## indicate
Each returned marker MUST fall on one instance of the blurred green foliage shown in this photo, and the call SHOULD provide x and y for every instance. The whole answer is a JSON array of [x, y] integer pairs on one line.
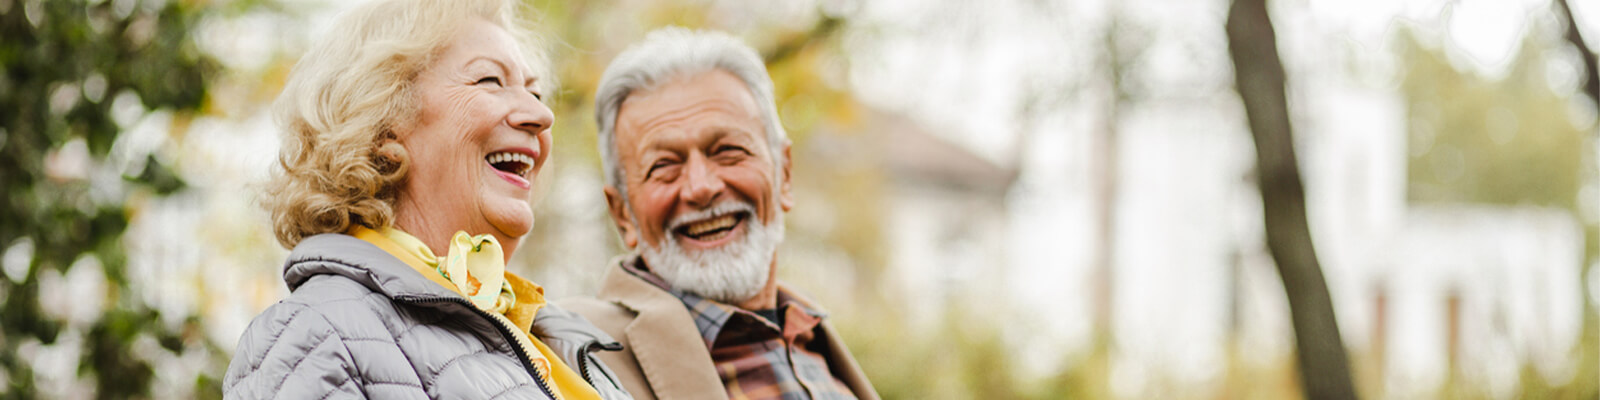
[[958, 359], [1503, 141], [1512, 140], [69, 66]]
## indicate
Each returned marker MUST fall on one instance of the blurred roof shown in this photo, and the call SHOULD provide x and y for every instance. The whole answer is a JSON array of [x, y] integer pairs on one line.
[[915, 154]]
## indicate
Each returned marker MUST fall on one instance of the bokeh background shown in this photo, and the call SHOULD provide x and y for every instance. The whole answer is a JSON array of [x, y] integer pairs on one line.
[[1000, 199]]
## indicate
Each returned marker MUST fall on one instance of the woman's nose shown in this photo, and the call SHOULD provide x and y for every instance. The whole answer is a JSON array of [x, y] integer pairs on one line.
[[531, 114]]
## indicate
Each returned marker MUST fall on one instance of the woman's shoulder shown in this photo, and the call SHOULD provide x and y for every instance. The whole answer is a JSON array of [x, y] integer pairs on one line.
[[320, 315], [282, 333], [324, 305], [323, 302], [316, 322], [340, 303], [320, 290]]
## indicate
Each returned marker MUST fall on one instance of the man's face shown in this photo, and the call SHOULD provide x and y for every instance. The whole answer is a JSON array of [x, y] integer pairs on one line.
[[703, 185]]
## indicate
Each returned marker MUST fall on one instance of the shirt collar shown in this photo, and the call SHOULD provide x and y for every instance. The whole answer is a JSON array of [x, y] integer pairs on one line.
[[711, 316]]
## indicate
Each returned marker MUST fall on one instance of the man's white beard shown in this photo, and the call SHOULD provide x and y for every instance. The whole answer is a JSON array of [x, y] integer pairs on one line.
[[731, 273]]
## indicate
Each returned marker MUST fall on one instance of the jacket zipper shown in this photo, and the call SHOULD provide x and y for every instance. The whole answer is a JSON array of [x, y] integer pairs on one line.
[[583, 364], [504, 325], [583, 361]]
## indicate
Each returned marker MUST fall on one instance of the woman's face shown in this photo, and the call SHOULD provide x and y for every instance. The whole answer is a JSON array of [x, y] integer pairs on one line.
[[481, 136]]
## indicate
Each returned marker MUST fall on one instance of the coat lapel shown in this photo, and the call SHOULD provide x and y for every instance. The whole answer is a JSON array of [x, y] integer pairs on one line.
[[840, 361], [664, 339]]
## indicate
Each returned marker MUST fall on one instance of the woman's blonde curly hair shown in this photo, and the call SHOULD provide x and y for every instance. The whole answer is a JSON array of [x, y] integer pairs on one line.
[[340, 164]]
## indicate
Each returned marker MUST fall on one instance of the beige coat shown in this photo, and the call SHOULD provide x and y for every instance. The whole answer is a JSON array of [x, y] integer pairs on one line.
[[664, 356]]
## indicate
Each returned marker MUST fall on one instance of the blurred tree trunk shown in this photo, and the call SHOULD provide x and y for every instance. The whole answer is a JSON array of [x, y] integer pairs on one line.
[[1259, 76], [1104, 149]]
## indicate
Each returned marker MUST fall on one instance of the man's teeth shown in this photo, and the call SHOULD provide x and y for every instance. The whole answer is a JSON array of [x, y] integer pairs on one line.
[[698, 228], [524, 161]]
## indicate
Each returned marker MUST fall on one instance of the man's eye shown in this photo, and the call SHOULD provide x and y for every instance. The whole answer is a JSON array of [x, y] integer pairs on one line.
[[656, 167], [489, 79]]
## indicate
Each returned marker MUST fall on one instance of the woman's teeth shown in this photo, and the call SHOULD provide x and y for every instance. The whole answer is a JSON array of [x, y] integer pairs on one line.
[[516, 163]]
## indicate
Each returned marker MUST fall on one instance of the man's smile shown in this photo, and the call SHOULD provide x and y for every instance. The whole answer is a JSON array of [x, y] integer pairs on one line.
[[711, 227]]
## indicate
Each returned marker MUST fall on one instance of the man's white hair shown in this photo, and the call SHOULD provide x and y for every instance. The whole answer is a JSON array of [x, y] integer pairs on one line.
[[673, 52]]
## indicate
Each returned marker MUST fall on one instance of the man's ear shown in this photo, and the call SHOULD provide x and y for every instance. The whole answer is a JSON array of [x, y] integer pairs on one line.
[[785, 199], [622, 216]]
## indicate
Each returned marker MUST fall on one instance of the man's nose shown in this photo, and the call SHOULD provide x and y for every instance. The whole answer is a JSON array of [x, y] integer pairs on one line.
[[702, 185]]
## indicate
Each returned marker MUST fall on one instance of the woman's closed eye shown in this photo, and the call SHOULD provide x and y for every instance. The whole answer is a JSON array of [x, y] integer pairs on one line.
[[489, 79]]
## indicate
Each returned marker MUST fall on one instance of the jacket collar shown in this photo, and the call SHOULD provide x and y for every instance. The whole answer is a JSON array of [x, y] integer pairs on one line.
[[670, 351], [378, 270], [711, 316], [672, 354], [359, 261]]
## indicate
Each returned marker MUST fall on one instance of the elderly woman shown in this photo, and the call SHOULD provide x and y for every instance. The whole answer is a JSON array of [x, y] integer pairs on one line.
[[414, 131]]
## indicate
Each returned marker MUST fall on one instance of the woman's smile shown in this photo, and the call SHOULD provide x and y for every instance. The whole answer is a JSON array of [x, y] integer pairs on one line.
[[516, 165]]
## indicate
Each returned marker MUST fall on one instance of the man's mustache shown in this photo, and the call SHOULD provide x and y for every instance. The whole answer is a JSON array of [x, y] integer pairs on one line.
[[717, 210]]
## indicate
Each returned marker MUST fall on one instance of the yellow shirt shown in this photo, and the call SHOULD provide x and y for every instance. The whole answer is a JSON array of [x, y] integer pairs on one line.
[[564, 381]]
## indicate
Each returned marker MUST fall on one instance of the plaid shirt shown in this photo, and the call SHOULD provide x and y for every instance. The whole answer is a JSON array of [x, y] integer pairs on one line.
[[756, 358]]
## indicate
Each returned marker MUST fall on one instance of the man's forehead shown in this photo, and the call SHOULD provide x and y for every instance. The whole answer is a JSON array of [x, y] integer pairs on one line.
[[680, 100], [715, 83]]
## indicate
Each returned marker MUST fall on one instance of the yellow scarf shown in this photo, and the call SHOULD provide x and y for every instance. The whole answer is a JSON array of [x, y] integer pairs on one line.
[[474, 263]]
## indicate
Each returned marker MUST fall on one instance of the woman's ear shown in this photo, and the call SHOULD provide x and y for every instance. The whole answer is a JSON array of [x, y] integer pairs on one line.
[[390, 158], [622, 216]]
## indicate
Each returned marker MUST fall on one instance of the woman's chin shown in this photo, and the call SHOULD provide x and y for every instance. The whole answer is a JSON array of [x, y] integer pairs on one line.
[[511, 219]]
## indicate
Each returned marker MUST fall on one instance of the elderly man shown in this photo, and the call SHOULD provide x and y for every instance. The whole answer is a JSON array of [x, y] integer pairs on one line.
[[697, 180]]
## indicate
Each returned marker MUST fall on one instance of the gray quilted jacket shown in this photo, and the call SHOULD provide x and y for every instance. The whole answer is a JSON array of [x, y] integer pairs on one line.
[[362, 324]]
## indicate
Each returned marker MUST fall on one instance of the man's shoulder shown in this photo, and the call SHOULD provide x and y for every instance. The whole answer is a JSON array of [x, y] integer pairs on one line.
[[623, 290], [586, 306], [610, 317]]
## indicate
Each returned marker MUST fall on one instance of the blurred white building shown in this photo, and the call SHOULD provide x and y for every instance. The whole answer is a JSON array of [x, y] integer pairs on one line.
[[945, 219]]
